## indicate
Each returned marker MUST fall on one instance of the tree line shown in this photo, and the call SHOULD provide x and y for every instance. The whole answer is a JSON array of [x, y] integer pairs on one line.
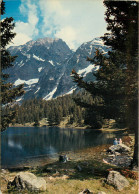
[[55, 110]]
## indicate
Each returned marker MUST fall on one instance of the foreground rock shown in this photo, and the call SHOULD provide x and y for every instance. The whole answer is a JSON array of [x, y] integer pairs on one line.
[[26, 180], [117, 180], [119, 148]]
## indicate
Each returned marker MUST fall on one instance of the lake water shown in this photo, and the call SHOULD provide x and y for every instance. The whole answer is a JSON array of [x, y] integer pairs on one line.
[[30, 145]]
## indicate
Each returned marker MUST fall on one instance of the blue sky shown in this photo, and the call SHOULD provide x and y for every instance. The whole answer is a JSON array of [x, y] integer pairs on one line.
[[74, 21]]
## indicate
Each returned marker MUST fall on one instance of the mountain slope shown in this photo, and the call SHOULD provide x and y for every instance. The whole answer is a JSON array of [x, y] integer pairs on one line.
[[45, 65], [81, 65]]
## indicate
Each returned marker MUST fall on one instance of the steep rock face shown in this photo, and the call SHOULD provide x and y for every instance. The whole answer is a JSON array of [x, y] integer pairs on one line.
[[38, 61], [79, 63], [45, 66]]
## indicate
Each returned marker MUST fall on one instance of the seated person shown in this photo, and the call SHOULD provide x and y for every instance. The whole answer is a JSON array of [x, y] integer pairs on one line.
[[120, 141], [115, 141]]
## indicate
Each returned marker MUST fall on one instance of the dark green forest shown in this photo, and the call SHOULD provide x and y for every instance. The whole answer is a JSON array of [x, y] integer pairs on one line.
[[55, 110]]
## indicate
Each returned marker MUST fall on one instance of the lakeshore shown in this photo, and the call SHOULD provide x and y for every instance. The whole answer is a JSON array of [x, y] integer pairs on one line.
[[84, 169], [66, 177]]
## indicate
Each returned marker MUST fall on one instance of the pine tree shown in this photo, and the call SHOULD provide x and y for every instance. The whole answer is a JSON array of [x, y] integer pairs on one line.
[[116, 79], [8, 92], [124, 38], [51, 116], [36, 121], [58, 115]]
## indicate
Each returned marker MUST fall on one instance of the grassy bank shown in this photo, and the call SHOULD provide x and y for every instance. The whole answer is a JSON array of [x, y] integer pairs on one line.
[[107, 127], [63, 124]]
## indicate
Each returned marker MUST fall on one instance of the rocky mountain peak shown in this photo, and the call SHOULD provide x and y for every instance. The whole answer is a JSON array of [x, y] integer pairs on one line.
[[43, 41], [45, 66]]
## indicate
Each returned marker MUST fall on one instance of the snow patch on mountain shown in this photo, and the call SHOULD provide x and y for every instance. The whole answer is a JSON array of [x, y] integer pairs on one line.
[[50, 95], [37, 90], [39, 69], [87, 70], [29, 82], [78, 58], [38, 58], [97, 41], [50, 61], [51, 78], [19, 99], [25, 54], [71, 91], [58, 63], [21, 63]]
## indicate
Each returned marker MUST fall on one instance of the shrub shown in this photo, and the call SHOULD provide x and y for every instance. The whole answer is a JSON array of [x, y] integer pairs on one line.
[[129, 174]]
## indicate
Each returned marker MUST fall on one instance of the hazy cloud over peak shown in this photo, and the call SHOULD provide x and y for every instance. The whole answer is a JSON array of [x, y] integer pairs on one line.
[[73, 21]]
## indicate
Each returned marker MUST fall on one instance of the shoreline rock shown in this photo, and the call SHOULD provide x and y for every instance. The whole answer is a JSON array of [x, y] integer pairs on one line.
[[119, 148], [119, 155]]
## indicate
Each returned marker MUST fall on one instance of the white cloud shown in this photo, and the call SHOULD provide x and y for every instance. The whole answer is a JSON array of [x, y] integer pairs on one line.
[[73, 21], [20, 39], [26, 30], [23, 9], [68, 34]]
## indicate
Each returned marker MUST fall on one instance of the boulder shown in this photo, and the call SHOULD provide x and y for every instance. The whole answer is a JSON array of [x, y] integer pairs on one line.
[[26, 180], [117, 180], [119, 148], [3, 171]]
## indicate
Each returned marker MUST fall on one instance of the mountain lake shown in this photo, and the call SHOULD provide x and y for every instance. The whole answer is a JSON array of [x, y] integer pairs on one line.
[[21, 146]]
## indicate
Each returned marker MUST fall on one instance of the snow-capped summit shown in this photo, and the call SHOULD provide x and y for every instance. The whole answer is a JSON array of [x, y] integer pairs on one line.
[[97, 41]]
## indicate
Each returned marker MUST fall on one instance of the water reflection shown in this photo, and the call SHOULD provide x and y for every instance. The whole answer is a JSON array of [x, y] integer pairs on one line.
[[11, 143], [20, 143]]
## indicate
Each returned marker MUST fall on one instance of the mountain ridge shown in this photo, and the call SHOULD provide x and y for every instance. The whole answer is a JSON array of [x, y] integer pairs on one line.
[[45, 65]]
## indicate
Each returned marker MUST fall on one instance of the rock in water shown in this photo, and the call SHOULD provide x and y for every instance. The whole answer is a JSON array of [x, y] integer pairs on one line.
[[117, 180], [119, 148], [26, 180]]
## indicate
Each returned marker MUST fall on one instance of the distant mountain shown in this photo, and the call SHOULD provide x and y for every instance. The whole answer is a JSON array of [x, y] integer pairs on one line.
[[45, 65]]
